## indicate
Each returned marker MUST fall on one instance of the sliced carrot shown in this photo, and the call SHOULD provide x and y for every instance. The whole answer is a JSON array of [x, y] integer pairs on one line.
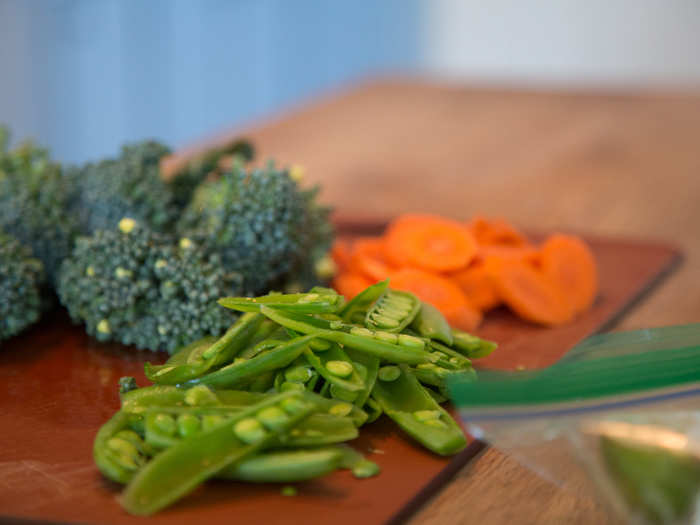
[[367, 258], [439, 291], [429, 242], [477, 285], [350, 284], [528, 291], [340, 253], [570, 263], [491, 230], [527, 252]]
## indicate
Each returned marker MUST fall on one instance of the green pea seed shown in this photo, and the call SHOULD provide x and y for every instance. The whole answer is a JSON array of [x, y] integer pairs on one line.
[[343, 394], [435, 423], [365, 469], [210, 421], [133, 438], [439, 354], [336, 325], [383, 321], [389, 373], [340, 409], [308, 298], [288, 386], [392, 311], [319, 345], [293, 405], [249, 430], [362, 332], [200, 395], [387, 337], [455, 361], [273, 417], [126, 452], [339, 368], [411, 342], [298, 374], [288, 491], [165, 423], [188, 425], [426, 415], [426, 366]]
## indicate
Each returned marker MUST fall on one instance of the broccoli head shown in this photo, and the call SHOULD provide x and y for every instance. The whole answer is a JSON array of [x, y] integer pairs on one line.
[[34, 201], [127, 186], [21, 276], [263, 225], [137, 287]]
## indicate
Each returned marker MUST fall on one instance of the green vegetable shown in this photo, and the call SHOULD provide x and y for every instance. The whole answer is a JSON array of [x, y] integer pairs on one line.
[[21, 278], [430, 323], [134, 286], [393, 311], [405, 401], [355, 310], [261, 223], [34, 203], [471, 346], [178, 470], [286, 466]]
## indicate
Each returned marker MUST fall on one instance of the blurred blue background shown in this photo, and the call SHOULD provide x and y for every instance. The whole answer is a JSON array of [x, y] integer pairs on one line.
[[84, 76]]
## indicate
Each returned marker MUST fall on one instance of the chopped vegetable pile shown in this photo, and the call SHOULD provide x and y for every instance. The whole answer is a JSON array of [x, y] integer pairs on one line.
[[467, 269], [274, 398]]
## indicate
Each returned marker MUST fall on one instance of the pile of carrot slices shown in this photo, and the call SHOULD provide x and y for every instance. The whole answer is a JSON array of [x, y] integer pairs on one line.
[[467, 269]]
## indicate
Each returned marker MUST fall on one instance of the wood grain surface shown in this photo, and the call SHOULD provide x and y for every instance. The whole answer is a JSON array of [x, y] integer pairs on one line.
[[614, 164]]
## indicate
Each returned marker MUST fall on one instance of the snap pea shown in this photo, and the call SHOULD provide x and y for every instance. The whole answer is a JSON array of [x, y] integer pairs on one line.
[[406, 402], [236, 374], [309, 303], [286, 466], [432, 324], [117, 458], [203, 358], [329, 363], [371, 366], [399, 353], [179, 469], [471, 346], [354, 310], [392, 311], [360, 466], [320, 429], [373, 409]]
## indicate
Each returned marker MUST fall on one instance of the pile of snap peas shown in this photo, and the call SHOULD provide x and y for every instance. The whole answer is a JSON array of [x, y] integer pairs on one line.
[[275, 398]]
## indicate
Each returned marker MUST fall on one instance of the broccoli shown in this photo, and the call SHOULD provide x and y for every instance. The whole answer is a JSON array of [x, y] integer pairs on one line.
[[184, 179], [138, 287], [127, 186], [34, 202], [21, 276], [262, 224]]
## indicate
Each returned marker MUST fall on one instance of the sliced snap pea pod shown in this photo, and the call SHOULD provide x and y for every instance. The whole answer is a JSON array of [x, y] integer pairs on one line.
[[285, 466], [182, 355], [262, 346], [406, 402], [237, 374], [360, 466], [309, 303], [373, 409], [320, 429], [432, 324], [201, 361], [335, 366], [116, 455], [434, 375], [362, 301], [179, 469], [392, 311], [471, 346], [404, 351], [450, 358], [371, 366], [437, 396]]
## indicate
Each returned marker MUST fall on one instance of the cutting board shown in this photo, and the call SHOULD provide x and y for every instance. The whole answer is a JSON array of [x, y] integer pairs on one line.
[[57, 386]]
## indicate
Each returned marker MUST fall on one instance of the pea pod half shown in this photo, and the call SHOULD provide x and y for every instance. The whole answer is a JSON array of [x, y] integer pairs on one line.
[[393, 311]]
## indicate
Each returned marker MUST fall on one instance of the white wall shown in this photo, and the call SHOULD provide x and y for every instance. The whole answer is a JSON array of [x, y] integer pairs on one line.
[[594, 42]]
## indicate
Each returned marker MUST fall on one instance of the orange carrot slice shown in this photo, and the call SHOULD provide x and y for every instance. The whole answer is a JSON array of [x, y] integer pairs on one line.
[[526, 253], [350, 284], [491, 230], [477, 285], [367, 258], [429, 242], [528, 291], [570, 263], [439, 291], [340, 253]]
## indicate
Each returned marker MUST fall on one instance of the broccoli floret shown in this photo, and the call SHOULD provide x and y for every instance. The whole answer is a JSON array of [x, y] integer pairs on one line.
[[127, 186], [21, 276], [262, 224], [34, 203], [186, 178], [137, 287]]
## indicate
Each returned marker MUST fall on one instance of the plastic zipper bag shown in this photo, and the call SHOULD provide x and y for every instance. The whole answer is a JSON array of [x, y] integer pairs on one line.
[[619, 414]]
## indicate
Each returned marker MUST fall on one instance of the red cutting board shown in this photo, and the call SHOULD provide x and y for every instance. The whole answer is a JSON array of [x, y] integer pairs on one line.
[[57, 387]]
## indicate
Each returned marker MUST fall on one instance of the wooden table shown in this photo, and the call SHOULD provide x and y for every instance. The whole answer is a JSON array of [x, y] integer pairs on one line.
[[618, 164]]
